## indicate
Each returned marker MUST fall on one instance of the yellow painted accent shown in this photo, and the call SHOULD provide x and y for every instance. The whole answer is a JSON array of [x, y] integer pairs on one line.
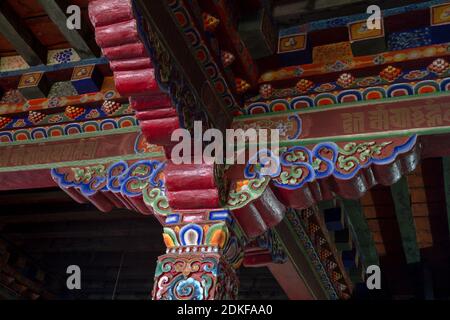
[[168, 241], [218, 238]]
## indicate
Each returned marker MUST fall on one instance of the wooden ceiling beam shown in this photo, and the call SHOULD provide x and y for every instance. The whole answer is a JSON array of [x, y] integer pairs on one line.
[[20, 37], [403, 211], [80, 40], [308, 286], [163, 22], [361, 231]]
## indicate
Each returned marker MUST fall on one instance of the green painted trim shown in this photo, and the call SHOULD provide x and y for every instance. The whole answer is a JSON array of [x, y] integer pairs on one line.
[[361, 104], [326, 204], [446, 174], [402, 202], [361, 231], [83, 162], [74, 136]]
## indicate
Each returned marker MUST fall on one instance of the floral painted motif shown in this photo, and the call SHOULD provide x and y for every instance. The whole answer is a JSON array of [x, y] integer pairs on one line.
[[325, 87], [156, 198], [194, 277], [300, 165], [120, 177], [12, 63], [60, 56], [439, 66], [12, 96], [345, 80], [369, 87], [62, 89], [246, 192], [390, 73], [416, 75]]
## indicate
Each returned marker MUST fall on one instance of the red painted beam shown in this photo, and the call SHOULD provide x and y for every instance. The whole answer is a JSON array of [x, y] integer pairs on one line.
[[32, 179], [290, 281]]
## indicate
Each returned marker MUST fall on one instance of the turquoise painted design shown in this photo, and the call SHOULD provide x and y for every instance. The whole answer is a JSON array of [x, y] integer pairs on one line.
[[189, 288], [120, 177], [300, 165]]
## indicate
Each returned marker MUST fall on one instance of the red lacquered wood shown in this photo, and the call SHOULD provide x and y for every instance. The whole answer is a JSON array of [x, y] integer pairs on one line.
[[101, 202], [257, 259], [159, 131], [299, 199], [106, 12], [125, 51], [136, 82], [291, 282], [141, 103], [189, 176], [114, 199], [139, 203], [76, 195], [250, 220], [270, 208], [194, 199], [26, 180], [131, 64], [156, 114], [117, 34]]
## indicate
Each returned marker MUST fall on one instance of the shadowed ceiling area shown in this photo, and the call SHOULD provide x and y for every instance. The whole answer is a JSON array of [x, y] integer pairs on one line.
[[47, 231]]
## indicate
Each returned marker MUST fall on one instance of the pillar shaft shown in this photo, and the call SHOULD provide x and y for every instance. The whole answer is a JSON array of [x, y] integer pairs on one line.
[[201, 258]]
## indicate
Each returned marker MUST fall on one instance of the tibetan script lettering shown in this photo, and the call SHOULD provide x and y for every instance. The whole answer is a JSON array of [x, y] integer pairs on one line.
[[383, 118]]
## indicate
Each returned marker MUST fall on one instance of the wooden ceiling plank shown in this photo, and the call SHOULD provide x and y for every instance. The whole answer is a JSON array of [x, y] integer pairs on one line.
[[84, 45], [20, 37], [308, 285], [446, 173], [362, 234], [403, 211]]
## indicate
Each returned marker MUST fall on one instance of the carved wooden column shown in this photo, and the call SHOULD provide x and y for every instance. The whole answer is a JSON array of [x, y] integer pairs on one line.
[[204, 242], [201, 258]]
